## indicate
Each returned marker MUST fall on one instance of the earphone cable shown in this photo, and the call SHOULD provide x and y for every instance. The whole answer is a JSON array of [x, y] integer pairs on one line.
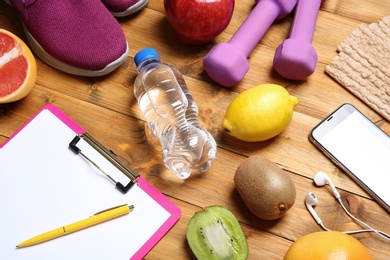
[[321, 179], [370, 229], [380, 233], [323, 227]]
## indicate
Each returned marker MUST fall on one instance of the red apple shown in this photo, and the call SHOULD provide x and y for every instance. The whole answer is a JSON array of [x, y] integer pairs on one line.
[[198, 21]]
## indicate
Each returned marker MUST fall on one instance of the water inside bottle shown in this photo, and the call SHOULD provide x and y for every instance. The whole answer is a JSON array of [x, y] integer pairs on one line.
[[172, 116]]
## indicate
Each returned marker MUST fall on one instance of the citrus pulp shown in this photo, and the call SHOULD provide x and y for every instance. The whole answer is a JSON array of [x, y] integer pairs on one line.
[[259, 113], [18, 68]]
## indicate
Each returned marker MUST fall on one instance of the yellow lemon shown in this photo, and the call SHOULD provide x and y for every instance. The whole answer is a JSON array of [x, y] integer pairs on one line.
[[259, 113], [327, 245]]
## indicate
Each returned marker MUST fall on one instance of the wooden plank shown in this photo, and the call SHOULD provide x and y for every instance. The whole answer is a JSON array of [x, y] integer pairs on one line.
[[106, 108]]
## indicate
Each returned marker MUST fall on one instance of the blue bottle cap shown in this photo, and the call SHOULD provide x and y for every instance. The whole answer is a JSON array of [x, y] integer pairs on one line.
[[144, 54]]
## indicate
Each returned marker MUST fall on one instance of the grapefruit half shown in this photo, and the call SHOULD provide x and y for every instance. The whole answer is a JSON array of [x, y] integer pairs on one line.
[[327, 245], [18, 68]]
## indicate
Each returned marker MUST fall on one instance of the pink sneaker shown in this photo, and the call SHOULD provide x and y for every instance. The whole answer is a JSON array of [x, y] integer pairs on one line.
[[78, 37], [121, 8]]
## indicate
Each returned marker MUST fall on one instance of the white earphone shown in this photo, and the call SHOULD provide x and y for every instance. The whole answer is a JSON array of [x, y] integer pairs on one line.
[[321, 179], [311, 200]]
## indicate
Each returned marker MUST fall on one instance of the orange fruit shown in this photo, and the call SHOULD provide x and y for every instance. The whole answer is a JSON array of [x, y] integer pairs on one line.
[[329, 245], [18, 69]]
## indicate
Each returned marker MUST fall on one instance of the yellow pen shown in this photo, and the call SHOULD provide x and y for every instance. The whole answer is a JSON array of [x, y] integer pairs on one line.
[[85, 223]]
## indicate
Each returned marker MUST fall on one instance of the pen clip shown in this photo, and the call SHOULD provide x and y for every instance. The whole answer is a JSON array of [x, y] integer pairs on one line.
[[131, 207]]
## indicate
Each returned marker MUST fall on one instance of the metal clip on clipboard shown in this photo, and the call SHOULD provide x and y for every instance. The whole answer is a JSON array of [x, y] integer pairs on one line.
[[109, 155]]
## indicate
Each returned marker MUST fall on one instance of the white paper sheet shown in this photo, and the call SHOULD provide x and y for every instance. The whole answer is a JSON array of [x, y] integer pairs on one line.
[[44, 185]]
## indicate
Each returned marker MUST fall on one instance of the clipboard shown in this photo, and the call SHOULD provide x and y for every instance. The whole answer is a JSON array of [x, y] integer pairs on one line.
[[45, 184]]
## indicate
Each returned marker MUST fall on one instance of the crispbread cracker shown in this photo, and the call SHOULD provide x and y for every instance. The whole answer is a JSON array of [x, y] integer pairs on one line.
[[355, 36], [363, 65]]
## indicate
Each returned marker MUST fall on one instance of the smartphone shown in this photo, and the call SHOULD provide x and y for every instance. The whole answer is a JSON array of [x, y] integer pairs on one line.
[[359, 147]]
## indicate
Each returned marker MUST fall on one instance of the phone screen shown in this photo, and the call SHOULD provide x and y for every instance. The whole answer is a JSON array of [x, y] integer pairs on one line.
[[357, 145]]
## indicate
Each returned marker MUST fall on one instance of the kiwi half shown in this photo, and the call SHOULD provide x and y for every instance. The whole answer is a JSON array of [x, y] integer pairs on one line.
[[214, 233]]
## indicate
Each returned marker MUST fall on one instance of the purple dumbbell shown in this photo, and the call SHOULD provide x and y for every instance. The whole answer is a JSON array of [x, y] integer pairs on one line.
[[296, 58], [227, 63]]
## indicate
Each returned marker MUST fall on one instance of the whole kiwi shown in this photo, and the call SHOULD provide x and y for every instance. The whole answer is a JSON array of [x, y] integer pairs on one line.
[[266, 189]]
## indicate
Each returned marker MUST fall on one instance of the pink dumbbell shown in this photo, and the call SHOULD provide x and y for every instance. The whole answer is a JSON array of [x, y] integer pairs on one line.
[[227, 63], [296, 58]]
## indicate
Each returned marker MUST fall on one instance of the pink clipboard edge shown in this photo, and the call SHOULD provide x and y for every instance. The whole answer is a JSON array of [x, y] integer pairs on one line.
[[168, 206], [58, 113], [160, 198]]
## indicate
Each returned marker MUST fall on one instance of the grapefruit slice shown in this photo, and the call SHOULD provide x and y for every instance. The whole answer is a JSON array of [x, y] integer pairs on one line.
[[18, 69]]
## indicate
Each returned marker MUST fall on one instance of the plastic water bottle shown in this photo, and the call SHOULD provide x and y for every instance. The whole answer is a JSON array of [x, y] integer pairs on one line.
[[172, 115]]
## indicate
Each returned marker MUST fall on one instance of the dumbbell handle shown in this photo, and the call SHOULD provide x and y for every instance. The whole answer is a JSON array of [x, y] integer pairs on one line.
[[305, 19], [258, 22]]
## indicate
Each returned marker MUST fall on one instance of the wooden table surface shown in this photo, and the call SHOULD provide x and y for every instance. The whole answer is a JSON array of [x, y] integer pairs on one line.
[[107, 109]]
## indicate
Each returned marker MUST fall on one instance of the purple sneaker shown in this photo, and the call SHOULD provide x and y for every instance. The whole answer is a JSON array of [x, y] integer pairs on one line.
[[121, 8], [78, 37]]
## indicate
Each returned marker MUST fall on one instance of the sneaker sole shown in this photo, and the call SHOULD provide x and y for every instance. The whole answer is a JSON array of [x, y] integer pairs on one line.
[[131, 10], [54, 62]]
